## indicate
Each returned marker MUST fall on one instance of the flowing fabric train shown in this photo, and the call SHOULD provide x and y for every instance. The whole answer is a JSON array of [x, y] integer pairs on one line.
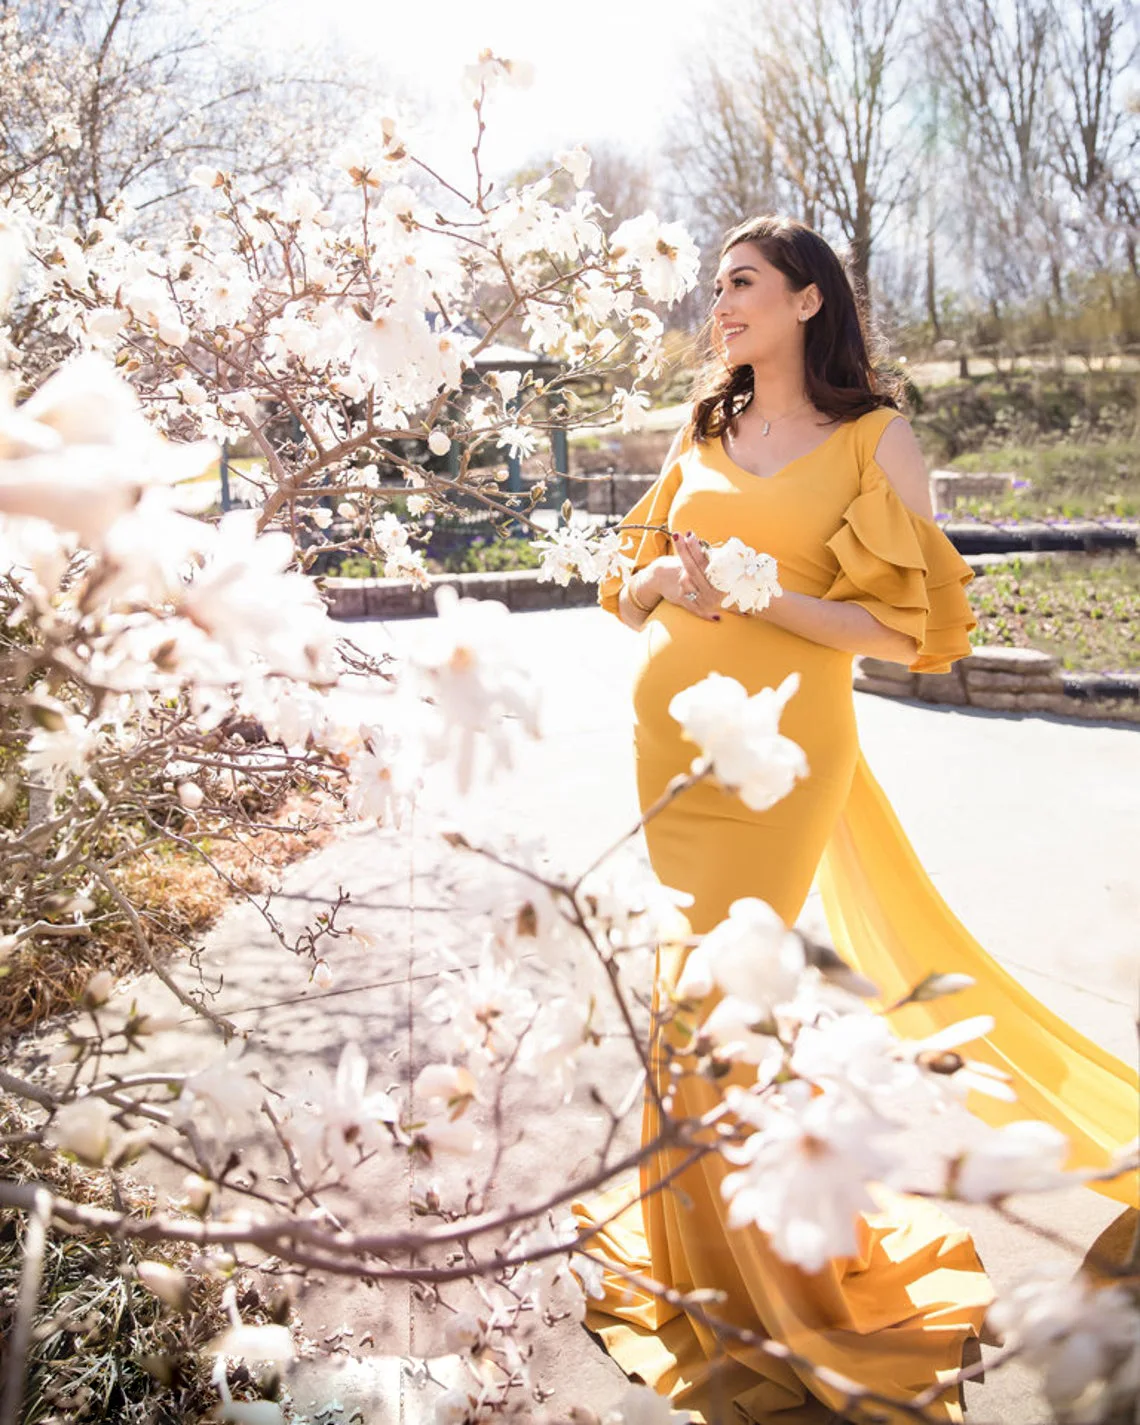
[[888, 921]]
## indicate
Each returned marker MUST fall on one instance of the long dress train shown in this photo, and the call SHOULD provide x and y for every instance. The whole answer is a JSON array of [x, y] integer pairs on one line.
[[895, 1316]]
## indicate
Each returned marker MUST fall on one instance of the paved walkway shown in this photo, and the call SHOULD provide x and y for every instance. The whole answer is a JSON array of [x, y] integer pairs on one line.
[[1026, 825]]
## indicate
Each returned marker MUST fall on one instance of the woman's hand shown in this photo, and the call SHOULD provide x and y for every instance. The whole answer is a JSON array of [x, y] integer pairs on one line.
[[680, 577]]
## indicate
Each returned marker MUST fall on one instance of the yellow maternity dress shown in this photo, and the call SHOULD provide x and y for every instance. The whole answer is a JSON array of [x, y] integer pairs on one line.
[[894, 1317]]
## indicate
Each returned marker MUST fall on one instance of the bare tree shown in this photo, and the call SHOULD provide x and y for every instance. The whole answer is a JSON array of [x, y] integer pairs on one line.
[[1096, 137], [126, 96], [832, 81], [998, 62], [805, 120]]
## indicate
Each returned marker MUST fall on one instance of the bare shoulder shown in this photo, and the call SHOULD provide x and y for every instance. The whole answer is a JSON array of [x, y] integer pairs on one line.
[[901, 460]]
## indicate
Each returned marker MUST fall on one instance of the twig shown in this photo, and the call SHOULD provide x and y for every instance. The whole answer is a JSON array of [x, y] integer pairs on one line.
[[30, 1276], [227, 1026]]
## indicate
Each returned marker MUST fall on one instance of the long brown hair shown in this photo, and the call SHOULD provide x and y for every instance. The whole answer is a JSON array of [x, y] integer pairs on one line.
[[838, 375]]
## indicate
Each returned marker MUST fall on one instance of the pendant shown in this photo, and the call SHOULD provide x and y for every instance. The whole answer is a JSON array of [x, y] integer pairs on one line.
[[767, 427]]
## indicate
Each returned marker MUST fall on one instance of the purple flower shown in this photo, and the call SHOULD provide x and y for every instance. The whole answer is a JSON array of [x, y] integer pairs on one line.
[[1019, 484]]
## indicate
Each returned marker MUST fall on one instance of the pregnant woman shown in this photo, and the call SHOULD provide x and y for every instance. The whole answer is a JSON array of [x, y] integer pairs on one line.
[[794, 447]]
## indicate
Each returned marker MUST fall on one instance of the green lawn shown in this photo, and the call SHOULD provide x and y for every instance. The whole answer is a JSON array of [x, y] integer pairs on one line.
[[1066, 480]]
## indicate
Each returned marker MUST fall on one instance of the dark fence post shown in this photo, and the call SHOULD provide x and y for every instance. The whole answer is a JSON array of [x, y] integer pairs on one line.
[[560, 449], [224, 470]]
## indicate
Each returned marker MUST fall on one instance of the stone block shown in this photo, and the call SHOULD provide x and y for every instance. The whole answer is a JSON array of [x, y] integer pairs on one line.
[[1044, 702], [885, 687], [345, 598], [578, 593], [1012, 682], [940, 688], [995, 659], [1001, 702], [488, 585], [391, 598], [530, 594], [881, 668]]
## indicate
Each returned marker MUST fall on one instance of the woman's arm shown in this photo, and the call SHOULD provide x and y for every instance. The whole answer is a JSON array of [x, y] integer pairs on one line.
[[642, 580], [834, 624], [837, 625]]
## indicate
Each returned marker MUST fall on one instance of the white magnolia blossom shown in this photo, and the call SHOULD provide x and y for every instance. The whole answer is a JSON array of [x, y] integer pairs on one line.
[[83, 1127], [557, 1281], [54, 754], [254, 607], [577, 163], [740, 737], [482, 692], [860, 1051], [79, 451], [166, 1282], [485, 1009], [630, 408], [336, 1119], [446, 1087], [748, 580], [751, 954], [576, 552], [490, 70], [1026, 1156], [663, 255], [1084, 1340], [400, 560], [742, 1031], [629, 907], [518, 440], [385, 774], [228, 1090], [803, 1176], [639, 1405]]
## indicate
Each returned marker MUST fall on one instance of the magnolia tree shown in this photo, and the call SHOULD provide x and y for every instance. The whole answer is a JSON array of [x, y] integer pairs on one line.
[[135, 635]]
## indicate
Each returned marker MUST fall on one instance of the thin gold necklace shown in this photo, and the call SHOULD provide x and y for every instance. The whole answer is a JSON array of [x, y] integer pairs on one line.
[[769, 424]]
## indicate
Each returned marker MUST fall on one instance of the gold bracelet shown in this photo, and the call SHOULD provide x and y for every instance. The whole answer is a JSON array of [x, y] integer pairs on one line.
[[634, 600]]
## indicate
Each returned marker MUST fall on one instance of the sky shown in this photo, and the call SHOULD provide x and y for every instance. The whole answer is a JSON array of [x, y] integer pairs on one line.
[[604, 69]]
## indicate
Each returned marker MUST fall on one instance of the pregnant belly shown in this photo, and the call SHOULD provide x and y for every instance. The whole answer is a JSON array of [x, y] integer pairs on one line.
[[679, 649]]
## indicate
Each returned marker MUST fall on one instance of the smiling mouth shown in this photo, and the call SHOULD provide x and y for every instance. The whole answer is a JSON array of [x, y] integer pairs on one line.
[[729, 332]]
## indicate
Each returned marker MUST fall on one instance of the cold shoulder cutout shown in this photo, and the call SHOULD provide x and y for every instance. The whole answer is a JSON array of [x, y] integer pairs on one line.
[[899, 565]]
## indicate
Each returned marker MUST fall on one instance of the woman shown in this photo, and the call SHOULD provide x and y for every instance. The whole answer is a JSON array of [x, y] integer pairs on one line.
[[795, 447]]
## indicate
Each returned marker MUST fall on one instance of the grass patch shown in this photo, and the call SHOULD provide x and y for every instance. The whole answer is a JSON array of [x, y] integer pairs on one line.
[[1067, 480], [178, 897], [1083, 608], [103, 1347]]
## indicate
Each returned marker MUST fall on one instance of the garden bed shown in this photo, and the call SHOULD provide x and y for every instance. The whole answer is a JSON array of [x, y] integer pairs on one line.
[[1082, 608]]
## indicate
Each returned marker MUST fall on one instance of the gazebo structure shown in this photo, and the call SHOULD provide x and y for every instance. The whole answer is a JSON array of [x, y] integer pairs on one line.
[[500, 357]]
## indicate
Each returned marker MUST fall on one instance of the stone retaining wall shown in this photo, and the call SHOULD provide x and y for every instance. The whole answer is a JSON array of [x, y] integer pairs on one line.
[[1007, 680], [519, 589]]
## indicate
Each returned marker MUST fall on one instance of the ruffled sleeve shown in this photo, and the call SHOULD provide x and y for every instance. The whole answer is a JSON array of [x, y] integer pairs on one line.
[[643, 545], [902, 568]]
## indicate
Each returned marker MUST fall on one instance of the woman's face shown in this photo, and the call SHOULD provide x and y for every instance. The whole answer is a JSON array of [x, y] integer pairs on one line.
[[756, 314]]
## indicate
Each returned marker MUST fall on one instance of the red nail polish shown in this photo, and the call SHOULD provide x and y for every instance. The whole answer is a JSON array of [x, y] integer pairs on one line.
[[716, 618]]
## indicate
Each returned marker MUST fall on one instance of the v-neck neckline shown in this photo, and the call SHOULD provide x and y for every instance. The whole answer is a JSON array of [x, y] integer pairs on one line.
[[795, 460]]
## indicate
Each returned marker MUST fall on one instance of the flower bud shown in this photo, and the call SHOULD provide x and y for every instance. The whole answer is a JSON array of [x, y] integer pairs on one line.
[[98, 989], [167, 1283], [191, 795], [439, 443]]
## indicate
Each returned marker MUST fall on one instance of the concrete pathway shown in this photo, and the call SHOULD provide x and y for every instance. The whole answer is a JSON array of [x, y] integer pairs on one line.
[[1027, 826]]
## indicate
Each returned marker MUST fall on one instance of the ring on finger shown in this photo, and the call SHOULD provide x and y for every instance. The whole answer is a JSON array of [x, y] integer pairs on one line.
[[692, 596]]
